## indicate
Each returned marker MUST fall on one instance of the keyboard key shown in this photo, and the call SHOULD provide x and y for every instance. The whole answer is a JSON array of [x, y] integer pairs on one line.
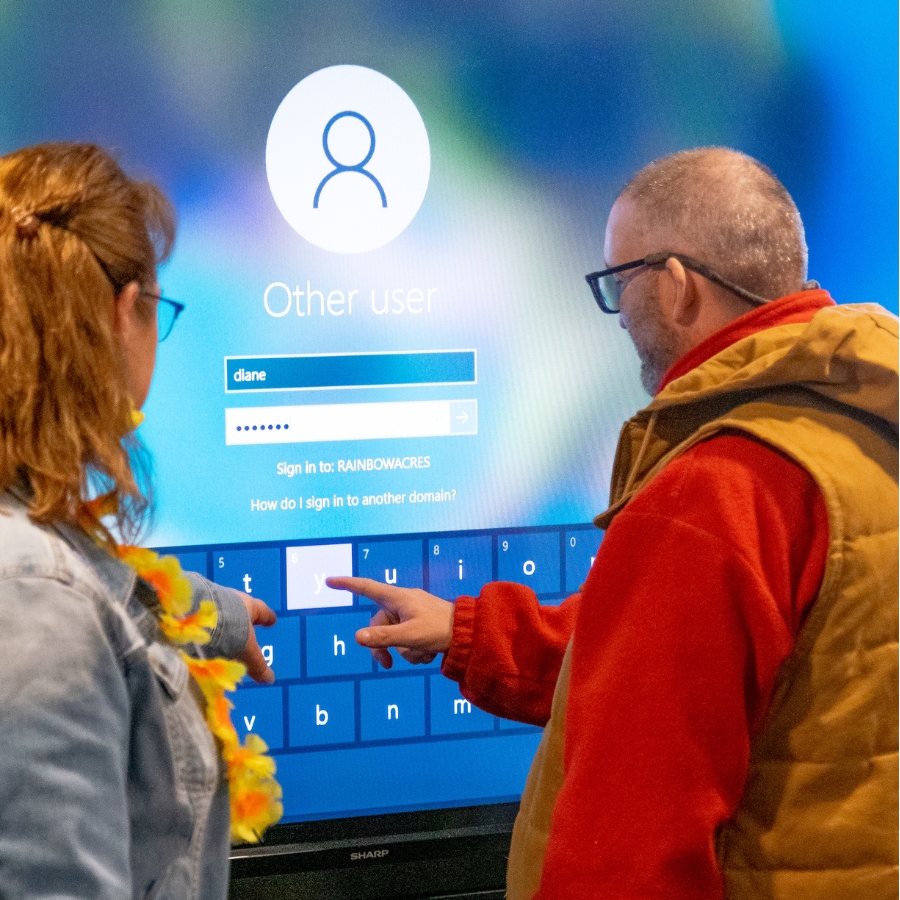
[[392, 708], [280, 645], [307, 569], [321, 714], [531, 559], [451, 713], [581, 548], [259, 711], [331, 647], [256, 572], [391, 562], [459, 565]]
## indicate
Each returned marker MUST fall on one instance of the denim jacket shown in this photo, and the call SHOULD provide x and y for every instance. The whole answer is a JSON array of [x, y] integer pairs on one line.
[[111, 786]]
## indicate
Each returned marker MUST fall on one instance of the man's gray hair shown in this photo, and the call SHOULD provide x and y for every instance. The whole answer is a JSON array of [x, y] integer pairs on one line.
[[730, 212]]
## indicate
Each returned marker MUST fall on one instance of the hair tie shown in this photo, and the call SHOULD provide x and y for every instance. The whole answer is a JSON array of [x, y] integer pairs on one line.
[[27, 223]]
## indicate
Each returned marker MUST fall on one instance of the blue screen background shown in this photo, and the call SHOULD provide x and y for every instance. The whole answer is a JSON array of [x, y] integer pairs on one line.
[[536, 113]]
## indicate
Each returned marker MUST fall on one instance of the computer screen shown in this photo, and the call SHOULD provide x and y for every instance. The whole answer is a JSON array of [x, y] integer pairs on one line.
[[389, 363]]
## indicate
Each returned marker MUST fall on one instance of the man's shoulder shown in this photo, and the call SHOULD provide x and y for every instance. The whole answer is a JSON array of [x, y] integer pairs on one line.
[[729, 448], [730, 451], [731, 473]]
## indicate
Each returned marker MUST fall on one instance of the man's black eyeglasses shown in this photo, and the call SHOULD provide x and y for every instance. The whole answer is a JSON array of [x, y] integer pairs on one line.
[[607, 289], [167, 311]]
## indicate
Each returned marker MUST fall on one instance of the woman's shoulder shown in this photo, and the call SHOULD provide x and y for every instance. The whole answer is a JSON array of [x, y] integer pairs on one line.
[[55, 574], [28, 550], [58, 553]]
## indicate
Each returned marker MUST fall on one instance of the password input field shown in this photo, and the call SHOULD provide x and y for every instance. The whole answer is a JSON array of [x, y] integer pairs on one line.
[[350, 421]]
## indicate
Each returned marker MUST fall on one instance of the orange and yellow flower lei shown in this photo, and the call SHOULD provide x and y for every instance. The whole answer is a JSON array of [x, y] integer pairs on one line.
[[252, 788], [253, 791]]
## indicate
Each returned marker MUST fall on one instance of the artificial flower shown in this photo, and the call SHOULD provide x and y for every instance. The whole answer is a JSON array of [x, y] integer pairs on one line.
[[254, 794]]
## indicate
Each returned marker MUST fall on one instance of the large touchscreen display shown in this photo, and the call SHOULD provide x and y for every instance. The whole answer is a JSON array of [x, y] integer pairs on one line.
[[389, 363]]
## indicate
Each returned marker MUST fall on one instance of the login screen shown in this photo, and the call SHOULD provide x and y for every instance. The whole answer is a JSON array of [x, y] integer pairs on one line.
[[393, 339]]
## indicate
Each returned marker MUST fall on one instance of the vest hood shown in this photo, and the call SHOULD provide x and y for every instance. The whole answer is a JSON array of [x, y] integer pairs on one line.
[[848, 354]]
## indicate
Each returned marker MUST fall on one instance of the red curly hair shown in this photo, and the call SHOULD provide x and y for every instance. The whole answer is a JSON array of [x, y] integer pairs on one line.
[[74, 230]]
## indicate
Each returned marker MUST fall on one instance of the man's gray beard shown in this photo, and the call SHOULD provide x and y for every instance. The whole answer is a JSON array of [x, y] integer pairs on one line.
[[658, 350], [655, 341], [652, 374]]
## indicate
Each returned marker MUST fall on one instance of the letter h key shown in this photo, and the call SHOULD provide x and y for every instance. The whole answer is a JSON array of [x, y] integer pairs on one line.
[[331, 647]]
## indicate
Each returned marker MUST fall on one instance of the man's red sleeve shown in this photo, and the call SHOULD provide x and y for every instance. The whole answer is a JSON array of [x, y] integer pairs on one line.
[[507, 650], [693, 602]]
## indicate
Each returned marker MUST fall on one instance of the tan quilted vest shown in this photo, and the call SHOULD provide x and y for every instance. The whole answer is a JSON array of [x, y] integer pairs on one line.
[[818, 819]]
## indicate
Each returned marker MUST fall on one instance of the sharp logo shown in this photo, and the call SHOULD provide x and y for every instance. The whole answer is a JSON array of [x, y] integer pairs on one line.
[[357, 855]]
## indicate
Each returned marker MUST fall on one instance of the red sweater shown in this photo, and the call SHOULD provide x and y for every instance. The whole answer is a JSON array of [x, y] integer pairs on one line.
[[694, 600]]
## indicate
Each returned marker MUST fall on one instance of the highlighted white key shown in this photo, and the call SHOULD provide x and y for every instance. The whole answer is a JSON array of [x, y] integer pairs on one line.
[[307, 569]]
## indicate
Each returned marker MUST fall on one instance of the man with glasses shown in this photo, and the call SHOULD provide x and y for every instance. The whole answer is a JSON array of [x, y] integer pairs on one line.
[[720, 698]]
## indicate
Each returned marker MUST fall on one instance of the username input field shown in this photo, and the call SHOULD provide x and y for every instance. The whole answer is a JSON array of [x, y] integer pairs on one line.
[[324, 371], [350, 421]]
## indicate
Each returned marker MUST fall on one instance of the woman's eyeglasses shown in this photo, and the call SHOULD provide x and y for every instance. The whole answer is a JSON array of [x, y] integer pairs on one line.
[[167, 311]]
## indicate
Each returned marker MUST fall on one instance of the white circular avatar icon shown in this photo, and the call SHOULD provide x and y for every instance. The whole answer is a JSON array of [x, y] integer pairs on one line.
[[348, 159]]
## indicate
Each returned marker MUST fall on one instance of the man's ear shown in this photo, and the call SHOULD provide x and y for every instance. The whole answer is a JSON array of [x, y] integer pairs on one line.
[[678, 292], [124, 309]]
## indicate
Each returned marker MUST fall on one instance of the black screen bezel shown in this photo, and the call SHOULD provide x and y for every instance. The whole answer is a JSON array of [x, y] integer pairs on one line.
[[475, 838]]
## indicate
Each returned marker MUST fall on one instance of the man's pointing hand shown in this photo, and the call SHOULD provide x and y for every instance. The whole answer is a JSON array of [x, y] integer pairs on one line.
[[419, 625]]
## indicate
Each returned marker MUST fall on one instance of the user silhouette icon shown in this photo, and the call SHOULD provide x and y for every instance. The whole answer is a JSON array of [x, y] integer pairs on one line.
[[340, 168]]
